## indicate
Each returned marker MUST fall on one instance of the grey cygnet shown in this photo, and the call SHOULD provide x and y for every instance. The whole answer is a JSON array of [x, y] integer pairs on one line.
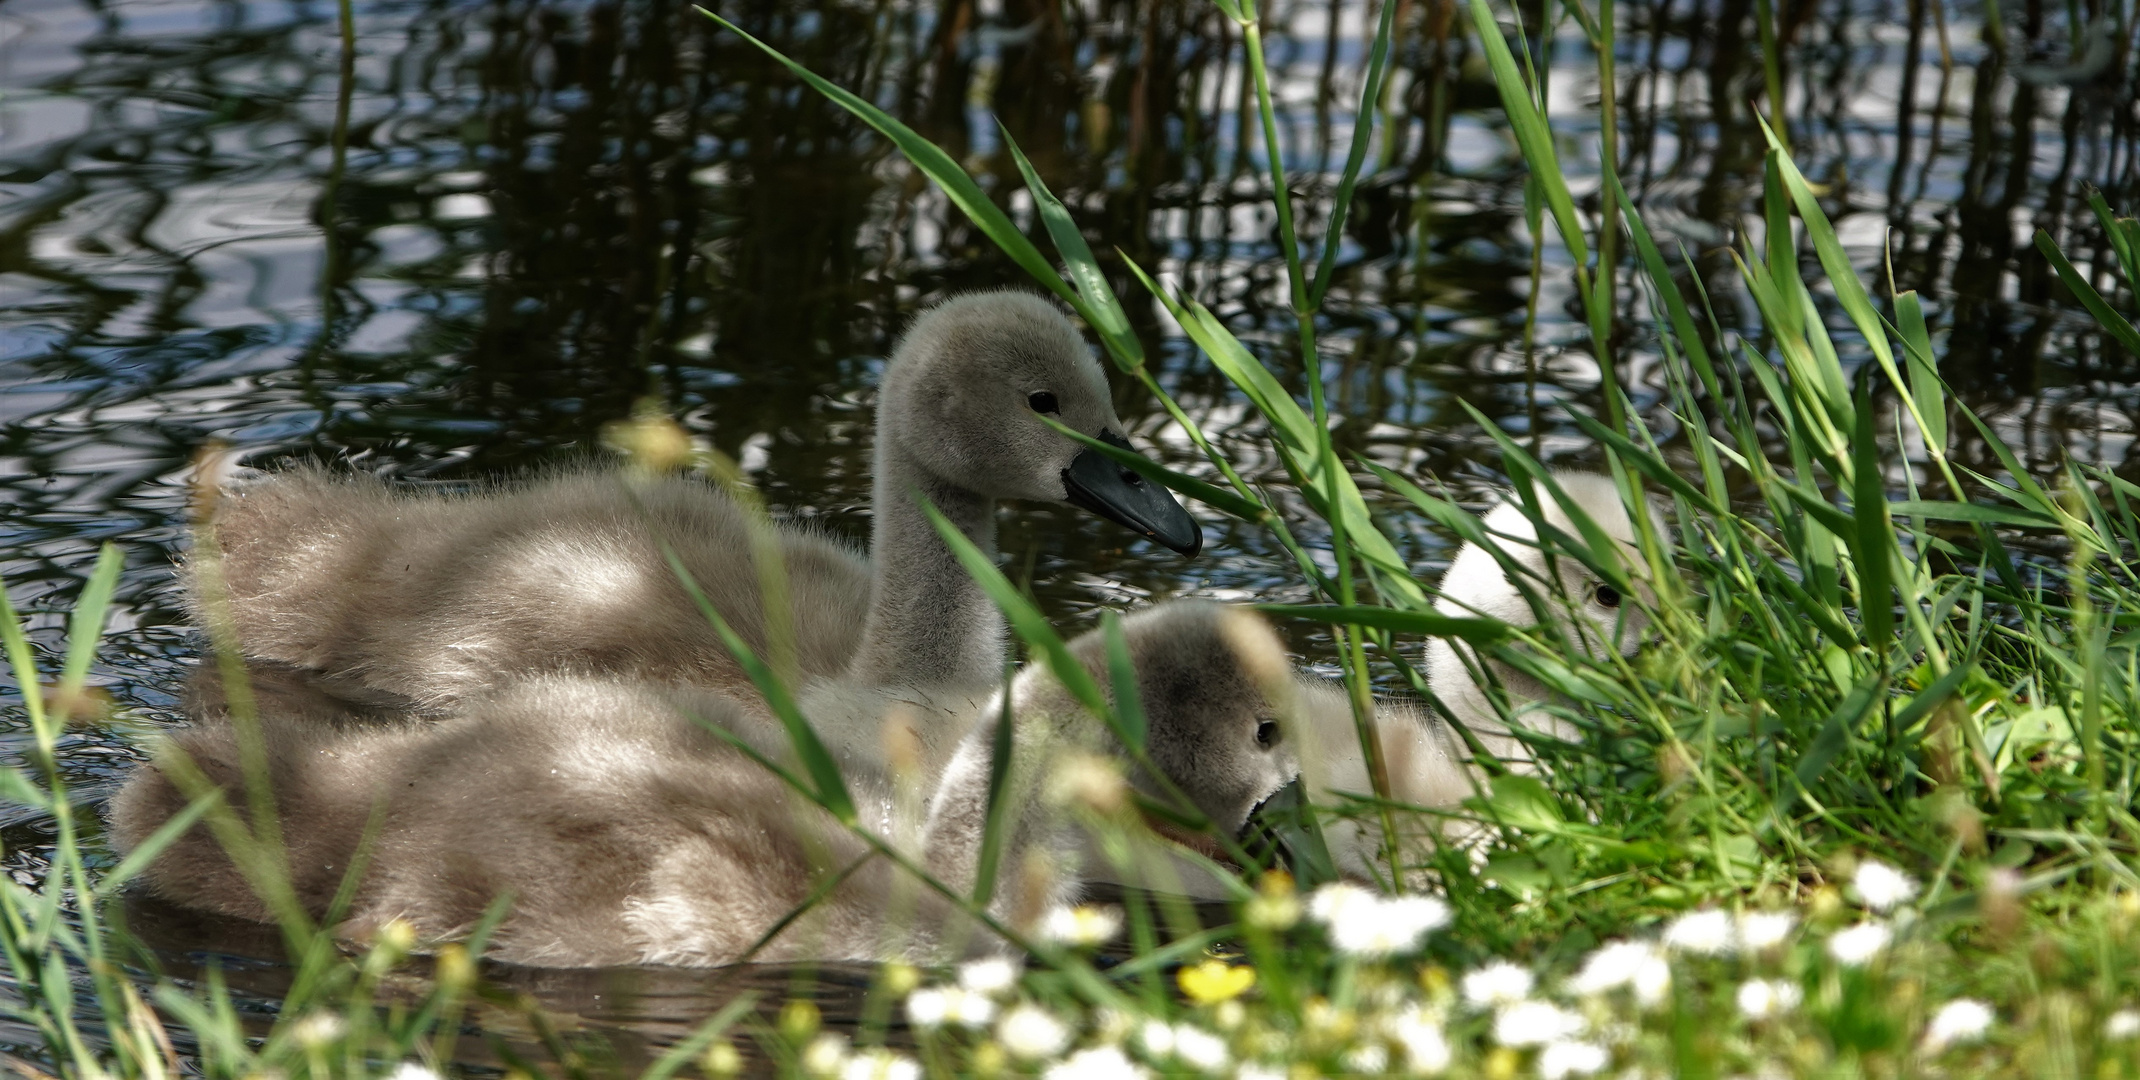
[[439, 598]]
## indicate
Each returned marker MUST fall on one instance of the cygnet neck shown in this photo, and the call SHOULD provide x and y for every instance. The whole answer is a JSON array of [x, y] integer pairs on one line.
[[930, 624]]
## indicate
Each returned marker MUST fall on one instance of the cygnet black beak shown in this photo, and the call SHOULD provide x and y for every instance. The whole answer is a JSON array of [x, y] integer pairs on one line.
[[1280, 831], [1112, 491]]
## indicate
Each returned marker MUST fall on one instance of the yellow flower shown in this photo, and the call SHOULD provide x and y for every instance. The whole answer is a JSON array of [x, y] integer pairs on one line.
[[1214, 981]]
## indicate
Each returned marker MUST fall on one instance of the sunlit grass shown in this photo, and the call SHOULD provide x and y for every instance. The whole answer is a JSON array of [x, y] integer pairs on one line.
[[1863, 806]]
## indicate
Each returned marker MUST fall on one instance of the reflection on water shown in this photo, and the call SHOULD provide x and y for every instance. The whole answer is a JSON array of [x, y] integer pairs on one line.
[[544, 211]]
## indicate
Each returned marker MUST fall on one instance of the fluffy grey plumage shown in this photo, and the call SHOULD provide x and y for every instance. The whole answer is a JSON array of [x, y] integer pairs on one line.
[[440, 598], [628, 834]]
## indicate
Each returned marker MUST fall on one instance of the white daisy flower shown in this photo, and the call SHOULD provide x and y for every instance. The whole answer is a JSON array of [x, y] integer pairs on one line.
[[1763, 930], [1565, 1059], [1707, 932], [1857, 946], [413, 1070], [1372, 1059], [955, 1006], [994, 976], [1425, 1048], [1881, 886], [825, 1056], [1098, 1063], [1760, 999], [1496, 984], [1030, 1033], [1083, 926], [1637, 965], [2123, 1024], [1536, 1023], [1387, 927], [1156, 1039], [878, 1063], [1963, 1020], [1340, 902], [1199, 1049]]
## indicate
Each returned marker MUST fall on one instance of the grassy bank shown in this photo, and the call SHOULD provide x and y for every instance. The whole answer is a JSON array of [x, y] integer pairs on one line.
[[1863, 806]]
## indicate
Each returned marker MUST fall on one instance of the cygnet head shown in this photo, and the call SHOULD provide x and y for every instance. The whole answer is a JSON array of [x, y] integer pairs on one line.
[[1477, 584], [962, 400], [1218, 698]]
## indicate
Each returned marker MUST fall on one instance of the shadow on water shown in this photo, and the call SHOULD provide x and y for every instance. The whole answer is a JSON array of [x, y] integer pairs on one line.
[[544, 212]]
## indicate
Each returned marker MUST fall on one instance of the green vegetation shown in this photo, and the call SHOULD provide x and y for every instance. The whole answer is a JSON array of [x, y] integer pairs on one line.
[[1863, 806]]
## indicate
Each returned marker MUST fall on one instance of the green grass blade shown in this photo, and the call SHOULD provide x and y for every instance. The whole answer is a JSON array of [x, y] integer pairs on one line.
[[1686, 336], [680, 1055], [1122, 675], [1975, 512], [938, 166], [830, 787], [1026, 621], [19, 657], [1833, 738], [1102, 310], [2124, 236], [1363, 126], [165, 835], [1533, 137], [86, 626], [2118, 326], [1874, 534], [1001, 745], [1925, 384], [1657, 471]]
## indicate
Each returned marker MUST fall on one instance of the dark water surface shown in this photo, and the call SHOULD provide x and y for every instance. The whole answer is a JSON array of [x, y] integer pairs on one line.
[[507, 221]]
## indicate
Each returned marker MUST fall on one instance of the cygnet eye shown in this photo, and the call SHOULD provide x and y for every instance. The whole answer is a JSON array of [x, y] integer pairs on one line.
[[1267, 734], [1042, 401], [1607, 596]]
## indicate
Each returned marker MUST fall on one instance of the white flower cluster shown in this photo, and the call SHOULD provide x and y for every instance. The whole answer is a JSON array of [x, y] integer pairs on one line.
[[1371, 926], [828, 1057], [1591, 1023]]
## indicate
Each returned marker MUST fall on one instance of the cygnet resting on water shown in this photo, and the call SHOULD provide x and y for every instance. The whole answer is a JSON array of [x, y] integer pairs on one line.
[[438, 598], [629, 834]]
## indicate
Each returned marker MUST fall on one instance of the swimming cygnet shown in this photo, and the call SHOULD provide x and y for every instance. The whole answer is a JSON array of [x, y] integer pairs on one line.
[[439, 597], [627, 833]]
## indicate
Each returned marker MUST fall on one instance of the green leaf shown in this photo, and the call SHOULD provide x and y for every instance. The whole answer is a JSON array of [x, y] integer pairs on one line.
[[1533, 137], [1991, 515], [1363, 127], [1874, 534], [938, 166], [1834, 736], [829, 788], [1122, 675], [2113, 322], [1658, 471], [1027, 621], [1001, 746], [1931, 697], [86, 626], [17, 790], [1476, 631], [1929, 390], [1102, 310], [165, 835], [1842, 276]]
